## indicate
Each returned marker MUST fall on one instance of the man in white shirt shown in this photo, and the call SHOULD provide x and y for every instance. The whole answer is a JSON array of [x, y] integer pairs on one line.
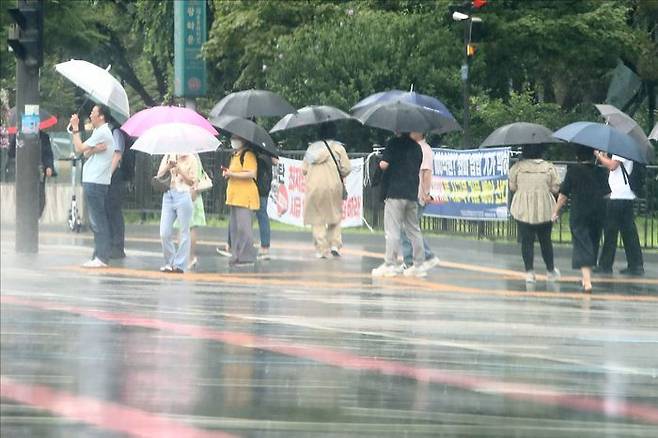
[[620, 218], [96, 176]]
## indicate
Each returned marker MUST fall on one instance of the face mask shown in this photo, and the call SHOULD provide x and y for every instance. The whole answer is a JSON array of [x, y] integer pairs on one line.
[[235, 143]]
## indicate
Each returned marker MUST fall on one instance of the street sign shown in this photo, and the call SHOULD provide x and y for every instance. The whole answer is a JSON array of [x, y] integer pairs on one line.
[[190, 33]]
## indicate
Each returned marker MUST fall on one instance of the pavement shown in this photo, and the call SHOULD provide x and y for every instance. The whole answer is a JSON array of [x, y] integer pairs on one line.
[[299, 346]]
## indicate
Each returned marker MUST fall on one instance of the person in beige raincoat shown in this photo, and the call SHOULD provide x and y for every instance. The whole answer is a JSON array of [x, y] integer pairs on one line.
[[323, 204]]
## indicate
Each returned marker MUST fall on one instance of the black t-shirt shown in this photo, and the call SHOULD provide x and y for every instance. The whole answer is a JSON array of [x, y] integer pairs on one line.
[[586, 185], [401, 179]]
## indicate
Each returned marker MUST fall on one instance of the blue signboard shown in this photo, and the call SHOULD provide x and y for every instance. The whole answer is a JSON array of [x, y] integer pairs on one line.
[[470, 184], [190, 33]]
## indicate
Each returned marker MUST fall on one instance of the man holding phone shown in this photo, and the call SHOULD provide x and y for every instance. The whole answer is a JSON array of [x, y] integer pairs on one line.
[[96, 177]]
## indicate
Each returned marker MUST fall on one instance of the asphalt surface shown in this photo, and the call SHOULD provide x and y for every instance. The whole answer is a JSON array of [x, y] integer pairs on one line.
[[297, 346]]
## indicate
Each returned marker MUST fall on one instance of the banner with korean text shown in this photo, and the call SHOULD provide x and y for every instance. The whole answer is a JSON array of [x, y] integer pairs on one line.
[[286, 201], [470, 184]]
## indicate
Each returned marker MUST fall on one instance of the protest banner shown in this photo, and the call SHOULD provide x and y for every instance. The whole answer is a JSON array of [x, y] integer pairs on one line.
[[286, 201], [470, 184]]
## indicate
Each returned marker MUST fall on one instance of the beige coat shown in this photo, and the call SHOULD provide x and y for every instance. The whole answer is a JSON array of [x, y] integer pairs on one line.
[[323, 203], [534, 182]]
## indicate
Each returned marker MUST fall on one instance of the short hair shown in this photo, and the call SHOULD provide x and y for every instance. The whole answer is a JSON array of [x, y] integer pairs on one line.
[[532, 151], [327, 130], [584, 153], [104, 110]]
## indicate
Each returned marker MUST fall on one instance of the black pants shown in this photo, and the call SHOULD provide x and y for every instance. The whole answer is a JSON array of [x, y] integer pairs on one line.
[[527, 232], [620, 218], [114, 205]]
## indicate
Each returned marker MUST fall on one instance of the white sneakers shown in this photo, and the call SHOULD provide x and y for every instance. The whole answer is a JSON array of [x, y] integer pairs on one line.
[[413, 271], [553, 276], [430, 263], [385, 270], [94, 263], [530, 277]]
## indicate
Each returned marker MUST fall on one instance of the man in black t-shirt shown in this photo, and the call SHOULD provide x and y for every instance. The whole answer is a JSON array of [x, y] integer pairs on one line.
[[401, 165]]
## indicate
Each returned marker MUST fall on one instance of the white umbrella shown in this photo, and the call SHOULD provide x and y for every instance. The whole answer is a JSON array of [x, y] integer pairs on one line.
[[176, 138], [99, 84]]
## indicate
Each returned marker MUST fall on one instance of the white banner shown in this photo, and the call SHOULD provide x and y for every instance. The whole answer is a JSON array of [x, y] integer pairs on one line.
[[286, 201]]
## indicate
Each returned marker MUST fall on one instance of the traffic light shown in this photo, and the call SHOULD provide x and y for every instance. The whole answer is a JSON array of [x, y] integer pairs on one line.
[[471, 49], [478, 4], [26, 32]]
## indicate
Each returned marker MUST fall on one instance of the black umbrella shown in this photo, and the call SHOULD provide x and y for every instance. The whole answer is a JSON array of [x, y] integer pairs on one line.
[[519, 133], [403, 117], [46, 120], [248, 130], [602, 137], [252, 103], [310, 115], [625, 123]]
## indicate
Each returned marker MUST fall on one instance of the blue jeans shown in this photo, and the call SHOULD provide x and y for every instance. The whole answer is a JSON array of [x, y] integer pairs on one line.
[[263, 223], [176, 205], [95, 195], [406, 244]]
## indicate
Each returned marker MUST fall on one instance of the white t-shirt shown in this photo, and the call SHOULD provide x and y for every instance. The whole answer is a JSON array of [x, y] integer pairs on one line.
[[98, 168], [620, 189]]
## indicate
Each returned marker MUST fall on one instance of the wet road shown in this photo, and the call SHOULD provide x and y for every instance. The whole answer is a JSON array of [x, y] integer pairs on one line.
[[304, 347]]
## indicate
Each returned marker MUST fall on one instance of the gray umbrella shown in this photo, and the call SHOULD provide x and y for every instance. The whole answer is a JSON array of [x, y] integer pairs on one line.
[[519, 133], [247, 130], [602, 137], [252, 103], [625, 123], [404, 117], [310, 115], [654, 133]]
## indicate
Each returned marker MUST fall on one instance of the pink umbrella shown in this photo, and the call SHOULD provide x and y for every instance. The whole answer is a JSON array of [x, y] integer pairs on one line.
[[160, 115]]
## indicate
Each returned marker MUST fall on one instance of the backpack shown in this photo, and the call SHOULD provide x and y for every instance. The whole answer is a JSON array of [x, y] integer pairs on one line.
[[637, 178], [263, 173]]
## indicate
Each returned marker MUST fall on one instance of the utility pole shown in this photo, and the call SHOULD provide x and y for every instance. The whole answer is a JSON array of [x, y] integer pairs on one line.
[[25, 40], [465, 73]]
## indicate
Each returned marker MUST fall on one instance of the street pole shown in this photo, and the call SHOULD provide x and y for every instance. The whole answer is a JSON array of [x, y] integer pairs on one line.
[[28, 146], [465, 72]]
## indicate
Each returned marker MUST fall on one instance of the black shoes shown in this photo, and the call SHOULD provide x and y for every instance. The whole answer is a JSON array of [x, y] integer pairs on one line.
[[639, 271]]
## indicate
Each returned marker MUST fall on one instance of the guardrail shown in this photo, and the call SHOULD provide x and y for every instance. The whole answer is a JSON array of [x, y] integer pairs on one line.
[[144, 200]]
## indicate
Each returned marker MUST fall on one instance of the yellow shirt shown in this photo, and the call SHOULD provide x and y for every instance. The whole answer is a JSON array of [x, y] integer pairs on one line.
[[243, 192]]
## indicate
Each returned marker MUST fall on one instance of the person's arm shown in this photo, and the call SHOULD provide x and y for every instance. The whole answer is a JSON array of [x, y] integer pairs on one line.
[[80, 147], [561, 202], [513, 173], [602, 158], [425, 184], [248, 169], [554, 183], [116, 159], [344, 162], [47, 159], [165, 165]]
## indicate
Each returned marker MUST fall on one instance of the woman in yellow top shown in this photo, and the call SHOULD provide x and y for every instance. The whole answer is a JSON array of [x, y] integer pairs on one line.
[[242, 199]]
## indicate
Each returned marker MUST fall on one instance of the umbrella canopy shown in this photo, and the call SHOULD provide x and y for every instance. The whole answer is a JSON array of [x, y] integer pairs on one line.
[[252, 103], [99, 84], [46, 120], [176, 138], [403, 117], [310, 115], [602, 137], [654, 133], [625, 123], [158, 115], [519, 133], [407, 97], [247, 130]]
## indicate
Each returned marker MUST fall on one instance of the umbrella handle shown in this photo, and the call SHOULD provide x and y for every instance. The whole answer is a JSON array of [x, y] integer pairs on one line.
[[69, 129]]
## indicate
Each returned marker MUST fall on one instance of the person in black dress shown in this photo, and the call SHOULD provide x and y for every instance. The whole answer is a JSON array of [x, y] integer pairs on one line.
[[586, 185]]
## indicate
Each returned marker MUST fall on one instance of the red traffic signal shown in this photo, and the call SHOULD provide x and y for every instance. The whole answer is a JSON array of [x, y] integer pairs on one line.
[[477, 4]]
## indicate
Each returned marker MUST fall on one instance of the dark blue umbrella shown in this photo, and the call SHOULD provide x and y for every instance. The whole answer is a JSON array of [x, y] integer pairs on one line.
[[408, 97], [602, 137]]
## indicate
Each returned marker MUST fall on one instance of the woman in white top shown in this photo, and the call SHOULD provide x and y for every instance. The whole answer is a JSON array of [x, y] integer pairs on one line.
[[177, 204]]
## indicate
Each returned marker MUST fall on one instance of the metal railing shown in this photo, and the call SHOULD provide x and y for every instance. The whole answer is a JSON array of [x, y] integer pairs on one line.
[[146, 201]]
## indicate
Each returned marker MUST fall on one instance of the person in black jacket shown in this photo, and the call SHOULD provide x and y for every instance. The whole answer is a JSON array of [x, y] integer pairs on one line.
[[401, 167], [46, 168]]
